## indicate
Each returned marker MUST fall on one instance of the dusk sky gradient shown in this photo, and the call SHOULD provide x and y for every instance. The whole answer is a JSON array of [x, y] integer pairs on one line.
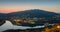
[[7, 6]]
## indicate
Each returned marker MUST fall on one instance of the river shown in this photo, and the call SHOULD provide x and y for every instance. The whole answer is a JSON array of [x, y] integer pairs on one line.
[[9, 25]]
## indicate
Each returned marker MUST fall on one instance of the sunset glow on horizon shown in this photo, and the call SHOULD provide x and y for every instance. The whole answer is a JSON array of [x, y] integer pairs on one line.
[[15, 6]]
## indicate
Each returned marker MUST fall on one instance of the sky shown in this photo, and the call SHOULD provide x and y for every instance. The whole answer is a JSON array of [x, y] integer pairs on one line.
[[8, 6]]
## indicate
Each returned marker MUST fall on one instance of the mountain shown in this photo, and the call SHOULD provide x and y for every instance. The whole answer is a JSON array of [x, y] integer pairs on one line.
[[32, 13]]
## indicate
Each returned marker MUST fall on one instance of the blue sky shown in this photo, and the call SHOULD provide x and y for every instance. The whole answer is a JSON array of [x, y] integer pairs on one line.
[[19, 5]]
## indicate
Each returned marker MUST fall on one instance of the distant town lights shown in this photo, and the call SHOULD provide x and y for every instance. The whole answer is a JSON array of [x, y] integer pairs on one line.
[[58, 26]]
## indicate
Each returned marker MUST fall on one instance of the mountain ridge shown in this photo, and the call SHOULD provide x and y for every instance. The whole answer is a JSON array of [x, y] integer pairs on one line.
[[36, 12], [33, 12]]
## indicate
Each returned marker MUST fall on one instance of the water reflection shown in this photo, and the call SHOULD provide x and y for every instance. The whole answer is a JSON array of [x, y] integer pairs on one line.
[[9, 25]]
